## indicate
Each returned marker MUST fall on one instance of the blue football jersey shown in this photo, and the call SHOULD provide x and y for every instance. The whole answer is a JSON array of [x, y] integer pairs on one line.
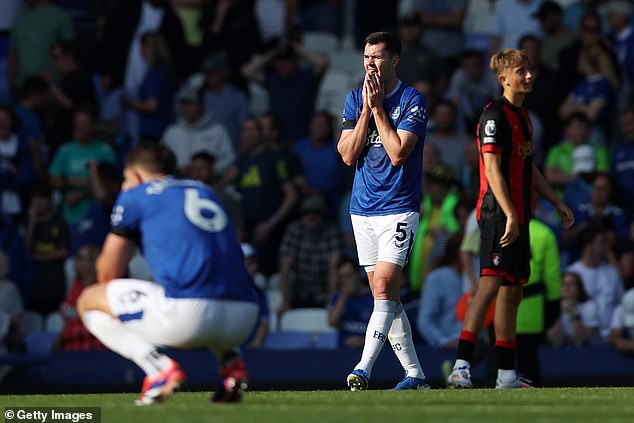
[[186, 238], [379, 187]]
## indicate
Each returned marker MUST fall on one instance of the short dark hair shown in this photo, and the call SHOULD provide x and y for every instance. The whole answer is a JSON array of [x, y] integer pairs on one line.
[[582, 294], [443, 102], [33, 85], [204, 156], [472, 53], [579, 117], [347, 260], [529, 37], [153, 157], [277, 123], [86, 109], [16, 123], [590, 233], [391, 41]]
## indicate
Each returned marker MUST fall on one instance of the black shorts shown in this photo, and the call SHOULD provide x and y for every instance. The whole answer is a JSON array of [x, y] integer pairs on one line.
[[512, 263]]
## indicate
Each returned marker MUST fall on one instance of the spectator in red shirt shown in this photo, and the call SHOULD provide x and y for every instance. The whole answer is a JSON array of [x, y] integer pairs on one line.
[[75, 336]]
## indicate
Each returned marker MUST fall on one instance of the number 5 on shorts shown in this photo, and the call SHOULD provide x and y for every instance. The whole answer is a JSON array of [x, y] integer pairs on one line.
[[401, 232]]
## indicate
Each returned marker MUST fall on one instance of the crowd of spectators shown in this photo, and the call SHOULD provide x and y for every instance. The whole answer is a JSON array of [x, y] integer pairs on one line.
[[83, 82]]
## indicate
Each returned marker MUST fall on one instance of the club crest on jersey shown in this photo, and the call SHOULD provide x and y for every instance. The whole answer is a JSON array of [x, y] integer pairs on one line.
[[490, 129], [396, 111], [496, 259]]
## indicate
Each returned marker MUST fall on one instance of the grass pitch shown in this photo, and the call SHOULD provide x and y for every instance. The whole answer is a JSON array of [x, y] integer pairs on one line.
[[477, 405]]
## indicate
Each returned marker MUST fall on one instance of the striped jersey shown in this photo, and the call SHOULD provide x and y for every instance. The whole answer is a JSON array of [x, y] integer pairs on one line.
[[506, 130]]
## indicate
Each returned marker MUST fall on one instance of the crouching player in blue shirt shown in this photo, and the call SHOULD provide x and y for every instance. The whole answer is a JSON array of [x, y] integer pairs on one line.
[[203, 295]]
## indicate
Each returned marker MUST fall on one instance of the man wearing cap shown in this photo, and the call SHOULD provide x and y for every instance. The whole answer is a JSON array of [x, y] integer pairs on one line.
[[384, 125], [194, 132], [562, 167], [622, 325], [310, 250], [225, 104]]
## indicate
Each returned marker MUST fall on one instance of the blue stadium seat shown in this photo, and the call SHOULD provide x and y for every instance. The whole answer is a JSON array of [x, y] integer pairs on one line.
[[287, 340], [40, 342], [327, 341]]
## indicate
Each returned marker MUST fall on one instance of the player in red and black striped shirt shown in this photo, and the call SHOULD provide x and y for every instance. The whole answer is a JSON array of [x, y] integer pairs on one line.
[[507, 179]]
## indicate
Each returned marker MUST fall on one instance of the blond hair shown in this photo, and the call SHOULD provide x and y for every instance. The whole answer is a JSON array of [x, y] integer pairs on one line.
[[509, 58]]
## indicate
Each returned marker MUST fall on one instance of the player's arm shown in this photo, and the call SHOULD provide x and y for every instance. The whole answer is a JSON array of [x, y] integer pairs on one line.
[[253, 70], [115, 255], [543, 188], [353, 138], [399, 143], [495, 180]]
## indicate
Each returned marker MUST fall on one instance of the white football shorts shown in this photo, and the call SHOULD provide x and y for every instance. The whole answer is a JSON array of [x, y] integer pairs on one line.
[[219, 325], [384, 238]]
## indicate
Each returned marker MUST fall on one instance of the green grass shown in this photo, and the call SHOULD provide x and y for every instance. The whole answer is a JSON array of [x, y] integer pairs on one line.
[[478, 405]]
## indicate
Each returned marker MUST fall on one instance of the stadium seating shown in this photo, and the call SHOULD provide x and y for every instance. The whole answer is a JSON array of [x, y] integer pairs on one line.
[[326, 340], [69, 272], [31, 322], [54, 322], [332, 92], [320, 42], [40, 342], [349, 62], [259, 99], [274, 299], [287, 340], [311, 320]]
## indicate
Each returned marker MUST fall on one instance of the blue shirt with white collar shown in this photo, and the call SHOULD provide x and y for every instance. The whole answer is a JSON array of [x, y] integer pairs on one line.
[[380, 188]]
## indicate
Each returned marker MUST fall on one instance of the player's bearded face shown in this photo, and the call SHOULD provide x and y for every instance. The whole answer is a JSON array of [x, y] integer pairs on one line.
[[377, 60]]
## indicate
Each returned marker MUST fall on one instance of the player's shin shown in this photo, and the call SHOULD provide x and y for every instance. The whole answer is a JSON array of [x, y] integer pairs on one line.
[[376, 333], [120, 339], [400, 336]]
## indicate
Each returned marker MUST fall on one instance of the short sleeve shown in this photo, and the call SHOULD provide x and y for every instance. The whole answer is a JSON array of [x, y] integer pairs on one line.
[[590, 315], [490, 134], [415, 116], [58, 166], [616, 322], [349, 120], [126, 215]]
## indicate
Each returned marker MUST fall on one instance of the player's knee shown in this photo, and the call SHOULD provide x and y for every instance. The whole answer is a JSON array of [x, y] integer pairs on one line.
[[382, 288], [511, 295], [88, 299]]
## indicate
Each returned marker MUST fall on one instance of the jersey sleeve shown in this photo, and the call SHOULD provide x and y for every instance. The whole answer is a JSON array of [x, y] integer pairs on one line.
[[415, 116], [349, 120], [490, 134], [126, 216]]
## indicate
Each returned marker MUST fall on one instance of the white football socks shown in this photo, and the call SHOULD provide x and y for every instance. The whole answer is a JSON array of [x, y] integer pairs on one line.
[[400, 336], [120, 339], [376, 333]]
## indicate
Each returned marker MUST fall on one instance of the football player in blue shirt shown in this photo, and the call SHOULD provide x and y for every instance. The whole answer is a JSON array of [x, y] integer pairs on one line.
[[203, 295], [384, 125]]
